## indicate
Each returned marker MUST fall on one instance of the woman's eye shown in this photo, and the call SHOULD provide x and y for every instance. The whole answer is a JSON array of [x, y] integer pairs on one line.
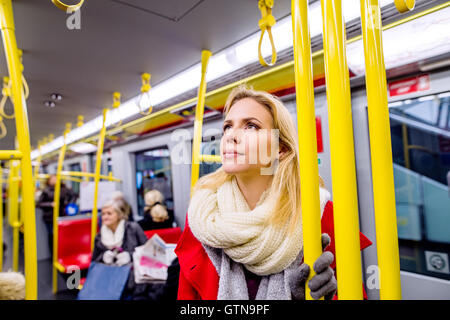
[[226, 127], [252, 126]]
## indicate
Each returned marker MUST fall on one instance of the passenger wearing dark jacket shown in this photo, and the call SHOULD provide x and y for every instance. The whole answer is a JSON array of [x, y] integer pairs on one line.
[[156, 215], [46, 204], [118, 238]]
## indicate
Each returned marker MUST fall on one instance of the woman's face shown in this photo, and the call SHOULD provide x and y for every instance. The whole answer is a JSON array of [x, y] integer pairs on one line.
[[52, 181], [110, 217], [246, 143]]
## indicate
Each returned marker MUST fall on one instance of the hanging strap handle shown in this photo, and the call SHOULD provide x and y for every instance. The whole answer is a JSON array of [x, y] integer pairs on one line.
[[26, 89], [3, 130], [266, 22], [67, 8], [116, 104], [145, 88], [6, 93]]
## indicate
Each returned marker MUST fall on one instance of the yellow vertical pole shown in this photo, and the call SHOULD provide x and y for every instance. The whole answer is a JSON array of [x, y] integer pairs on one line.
[[23, 135], [381, 153], [307, 140], [98, 163], [1, 218], [199, 109], [346, 225], [56, 205], [13, 210]]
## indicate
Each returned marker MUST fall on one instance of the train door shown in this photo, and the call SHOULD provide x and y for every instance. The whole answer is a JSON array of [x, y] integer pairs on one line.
[[420, 142], [154, 171]]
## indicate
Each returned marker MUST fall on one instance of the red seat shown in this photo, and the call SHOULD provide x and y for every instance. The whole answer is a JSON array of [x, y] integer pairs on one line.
[[169, 235], [74, 243]]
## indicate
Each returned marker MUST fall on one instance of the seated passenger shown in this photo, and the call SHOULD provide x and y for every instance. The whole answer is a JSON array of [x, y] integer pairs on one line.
[[118, 238], [118, 195], [156, 215]]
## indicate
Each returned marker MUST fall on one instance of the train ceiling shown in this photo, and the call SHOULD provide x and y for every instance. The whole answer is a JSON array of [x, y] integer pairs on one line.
[[118, 40]]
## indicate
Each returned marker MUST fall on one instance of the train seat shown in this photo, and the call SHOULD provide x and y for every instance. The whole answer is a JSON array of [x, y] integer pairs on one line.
[[169, 235], [74, 243]]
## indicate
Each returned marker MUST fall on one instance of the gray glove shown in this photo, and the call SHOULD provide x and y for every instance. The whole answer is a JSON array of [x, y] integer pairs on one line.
[[323, 284]]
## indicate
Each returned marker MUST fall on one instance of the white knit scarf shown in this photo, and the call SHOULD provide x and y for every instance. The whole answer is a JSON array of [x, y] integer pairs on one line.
[[222, 219], [112, 239]]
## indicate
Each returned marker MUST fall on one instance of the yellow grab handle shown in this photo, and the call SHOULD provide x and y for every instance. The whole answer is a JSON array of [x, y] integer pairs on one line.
[[3, 130], [404, 5], [66, 7], [6, 93], [266, 22], [145, 88]]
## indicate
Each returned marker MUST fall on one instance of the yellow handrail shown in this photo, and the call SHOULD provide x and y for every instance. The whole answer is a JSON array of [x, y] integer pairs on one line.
[[89, 175], [10, 155], [345, 200], [309, 169], [98, 163], [45, 176], [23, 135], [381, 153], [199, 109], [56, 206], [209, 158]]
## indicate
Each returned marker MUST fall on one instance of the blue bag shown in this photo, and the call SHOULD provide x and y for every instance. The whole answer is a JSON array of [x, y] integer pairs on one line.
[[104, 282]]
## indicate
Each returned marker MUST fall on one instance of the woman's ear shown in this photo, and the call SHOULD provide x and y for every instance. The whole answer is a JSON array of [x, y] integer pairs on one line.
[[281, 152]]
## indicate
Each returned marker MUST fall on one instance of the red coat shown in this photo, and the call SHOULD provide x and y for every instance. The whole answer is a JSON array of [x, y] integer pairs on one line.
[[198, 276]]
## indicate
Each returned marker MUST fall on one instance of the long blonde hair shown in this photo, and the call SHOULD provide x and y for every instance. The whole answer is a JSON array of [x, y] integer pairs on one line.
[[286, 180]]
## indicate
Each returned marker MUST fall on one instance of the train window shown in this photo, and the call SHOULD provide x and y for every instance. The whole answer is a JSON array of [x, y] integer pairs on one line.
[[420, 133], [73, 184], [153, 171], [209, 146]]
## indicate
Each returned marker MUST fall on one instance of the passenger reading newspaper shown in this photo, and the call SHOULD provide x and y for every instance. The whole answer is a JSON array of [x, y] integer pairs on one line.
[[152, 260]]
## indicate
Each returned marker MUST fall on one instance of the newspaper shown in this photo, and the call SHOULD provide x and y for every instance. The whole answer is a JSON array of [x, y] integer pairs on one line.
[[152, 260]]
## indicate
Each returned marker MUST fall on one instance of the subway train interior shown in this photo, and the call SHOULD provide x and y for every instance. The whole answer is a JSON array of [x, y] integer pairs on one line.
[[116, 98]]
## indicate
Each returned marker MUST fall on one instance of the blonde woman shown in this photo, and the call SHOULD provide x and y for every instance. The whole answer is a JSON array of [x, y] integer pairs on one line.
[[243, 235], [156, 215]]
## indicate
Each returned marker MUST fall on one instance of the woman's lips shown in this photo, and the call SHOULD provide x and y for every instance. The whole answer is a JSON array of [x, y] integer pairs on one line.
[[231, 154]]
